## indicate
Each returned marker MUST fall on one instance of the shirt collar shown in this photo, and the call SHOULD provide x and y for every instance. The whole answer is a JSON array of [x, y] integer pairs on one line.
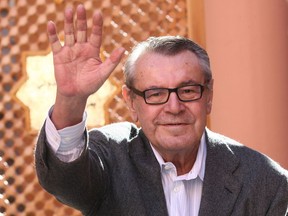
[[198, 168]]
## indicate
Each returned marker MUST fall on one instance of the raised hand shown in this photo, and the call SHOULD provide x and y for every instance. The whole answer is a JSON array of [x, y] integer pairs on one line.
[[79, 71]]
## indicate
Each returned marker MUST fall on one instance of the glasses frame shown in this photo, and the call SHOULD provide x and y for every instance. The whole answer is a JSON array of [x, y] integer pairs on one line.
[[170, 90]]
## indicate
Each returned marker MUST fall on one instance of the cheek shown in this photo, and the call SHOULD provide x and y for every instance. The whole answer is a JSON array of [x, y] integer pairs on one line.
[[146, 115], [199, 114]]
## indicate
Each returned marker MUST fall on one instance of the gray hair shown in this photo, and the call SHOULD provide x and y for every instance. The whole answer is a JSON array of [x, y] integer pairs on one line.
[[166, 45]]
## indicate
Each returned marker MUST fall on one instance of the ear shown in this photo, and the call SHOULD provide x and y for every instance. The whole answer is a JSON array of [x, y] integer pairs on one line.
[[126, 93], [210, 97]]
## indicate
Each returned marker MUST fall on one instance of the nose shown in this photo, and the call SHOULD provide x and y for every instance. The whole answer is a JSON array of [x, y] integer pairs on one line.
[[174, 105]]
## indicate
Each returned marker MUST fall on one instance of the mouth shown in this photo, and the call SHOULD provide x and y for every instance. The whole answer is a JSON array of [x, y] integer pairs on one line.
[[174, 124], [174, 129]]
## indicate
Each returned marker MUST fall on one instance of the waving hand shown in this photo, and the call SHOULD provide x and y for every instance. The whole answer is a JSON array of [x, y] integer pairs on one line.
[[79, 71]]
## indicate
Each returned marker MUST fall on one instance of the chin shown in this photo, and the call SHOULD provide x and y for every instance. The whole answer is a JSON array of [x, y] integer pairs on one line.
[[176, 142]]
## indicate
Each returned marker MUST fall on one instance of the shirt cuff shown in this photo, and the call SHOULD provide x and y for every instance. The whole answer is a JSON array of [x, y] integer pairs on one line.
[[67, 139]]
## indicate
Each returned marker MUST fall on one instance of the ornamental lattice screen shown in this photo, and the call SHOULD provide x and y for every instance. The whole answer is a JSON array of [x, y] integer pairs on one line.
[[23, 29]]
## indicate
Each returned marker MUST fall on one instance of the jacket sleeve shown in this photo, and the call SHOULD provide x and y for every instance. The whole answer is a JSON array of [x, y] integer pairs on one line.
[[80, 184]]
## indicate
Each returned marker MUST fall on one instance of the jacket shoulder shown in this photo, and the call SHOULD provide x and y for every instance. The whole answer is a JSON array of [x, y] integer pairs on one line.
[[249, 158], [117, 132]]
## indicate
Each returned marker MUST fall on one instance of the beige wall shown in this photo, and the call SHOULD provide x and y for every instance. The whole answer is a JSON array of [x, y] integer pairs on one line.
[[248, 46]]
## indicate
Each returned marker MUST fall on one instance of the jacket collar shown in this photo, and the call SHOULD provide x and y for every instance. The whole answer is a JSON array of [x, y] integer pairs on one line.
[[148, 176], [221, 187]]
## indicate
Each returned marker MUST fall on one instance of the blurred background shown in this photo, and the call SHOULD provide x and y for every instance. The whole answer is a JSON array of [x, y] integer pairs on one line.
[[248, 46]]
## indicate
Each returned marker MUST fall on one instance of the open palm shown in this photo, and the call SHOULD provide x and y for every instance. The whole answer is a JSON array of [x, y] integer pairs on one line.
[[79, 70]]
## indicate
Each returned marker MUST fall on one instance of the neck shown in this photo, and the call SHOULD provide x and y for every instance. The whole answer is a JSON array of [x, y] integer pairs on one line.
[[183, 161]]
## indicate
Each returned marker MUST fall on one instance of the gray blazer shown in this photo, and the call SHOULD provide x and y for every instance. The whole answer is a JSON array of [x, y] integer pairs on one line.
[[118, 174]]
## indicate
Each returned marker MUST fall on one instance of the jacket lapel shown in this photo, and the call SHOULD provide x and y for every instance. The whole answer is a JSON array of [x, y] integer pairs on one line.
[[221, 185], [148, 176]]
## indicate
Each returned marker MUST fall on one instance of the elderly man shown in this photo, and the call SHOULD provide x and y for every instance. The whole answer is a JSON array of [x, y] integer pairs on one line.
[[172, 165]]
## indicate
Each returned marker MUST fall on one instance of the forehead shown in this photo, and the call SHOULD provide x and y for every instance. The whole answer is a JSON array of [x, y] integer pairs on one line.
[[154, 69]]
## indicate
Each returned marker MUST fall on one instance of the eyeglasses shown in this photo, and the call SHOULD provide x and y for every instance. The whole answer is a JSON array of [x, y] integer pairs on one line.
[[158, 96]]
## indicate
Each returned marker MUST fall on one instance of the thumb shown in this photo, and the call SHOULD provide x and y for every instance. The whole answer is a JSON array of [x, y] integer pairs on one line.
[[114, 59], [110, 64]]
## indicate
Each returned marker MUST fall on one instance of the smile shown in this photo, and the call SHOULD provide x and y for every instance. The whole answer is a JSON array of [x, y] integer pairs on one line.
[[174, 124]]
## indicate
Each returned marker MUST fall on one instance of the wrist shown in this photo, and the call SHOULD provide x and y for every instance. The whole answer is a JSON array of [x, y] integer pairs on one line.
[[68, 111]]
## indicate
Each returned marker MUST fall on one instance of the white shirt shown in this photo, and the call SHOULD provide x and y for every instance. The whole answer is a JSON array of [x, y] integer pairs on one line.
[[182, 193]]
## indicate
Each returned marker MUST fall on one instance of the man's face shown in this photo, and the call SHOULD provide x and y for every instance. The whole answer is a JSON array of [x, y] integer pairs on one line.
[[174, 126]]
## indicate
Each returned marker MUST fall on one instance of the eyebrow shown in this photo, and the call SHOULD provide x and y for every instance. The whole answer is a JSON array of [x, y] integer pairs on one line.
[[187, 82]]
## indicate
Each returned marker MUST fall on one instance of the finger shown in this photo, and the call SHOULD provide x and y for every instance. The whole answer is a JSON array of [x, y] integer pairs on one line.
[[53, 37], [81, 24], [69, 27], [96, 32]]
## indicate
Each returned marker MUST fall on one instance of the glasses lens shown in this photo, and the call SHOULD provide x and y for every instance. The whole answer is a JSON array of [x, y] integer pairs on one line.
[[187, 93], [155, 96]]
